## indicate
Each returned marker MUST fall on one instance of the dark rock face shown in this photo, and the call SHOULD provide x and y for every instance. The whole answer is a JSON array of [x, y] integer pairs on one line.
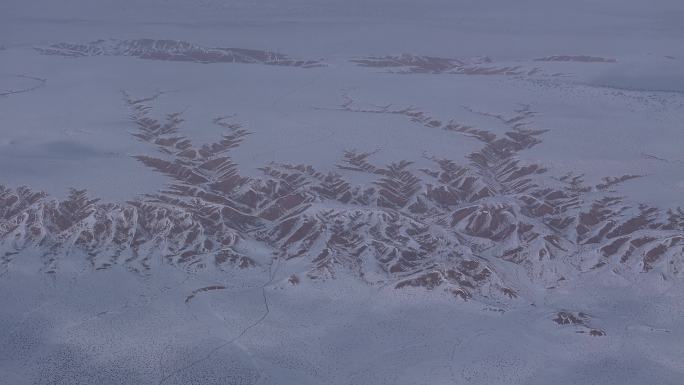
[[445, 228]]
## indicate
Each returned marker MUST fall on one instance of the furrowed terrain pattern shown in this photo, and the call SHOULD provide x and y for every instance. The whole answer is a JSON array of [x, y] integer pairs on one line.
[[405, 192], [449, 227]]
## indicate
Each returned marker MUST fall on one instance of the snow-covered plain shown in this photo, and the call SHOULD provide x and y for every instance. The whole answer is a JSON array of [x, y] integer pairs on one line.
[[341, 192]]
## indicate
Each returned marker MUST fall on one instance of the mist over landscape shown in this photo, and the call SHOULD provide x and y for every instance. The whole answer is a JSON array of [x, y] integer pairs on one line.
[[341, 192]]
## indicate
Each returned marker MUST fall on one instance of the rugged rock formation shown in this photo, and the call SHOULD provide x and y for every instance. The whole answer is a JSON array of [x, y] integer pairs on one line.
[[453, 227]]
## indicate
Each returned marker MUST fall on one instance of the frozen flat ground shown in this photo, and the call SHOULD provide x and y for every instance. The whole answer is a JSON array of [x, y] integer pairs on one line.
[[141, 331], [341, 192]]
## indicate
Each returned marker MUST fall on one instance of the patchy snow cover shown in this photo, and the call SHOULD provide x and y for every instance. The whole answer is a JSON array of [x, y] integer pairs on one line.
[[359, 193]]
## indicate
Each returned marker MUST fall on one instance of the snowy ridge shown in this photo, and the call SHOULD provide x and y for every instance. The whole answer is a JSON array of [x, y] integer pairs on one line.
[[173, 50], [454, 227], [411, 64], [331, 192]]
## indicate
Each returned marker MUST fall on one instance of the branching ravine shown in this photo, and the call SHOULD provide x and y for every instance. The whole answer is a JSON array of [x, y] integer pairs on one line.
[[445, 226]]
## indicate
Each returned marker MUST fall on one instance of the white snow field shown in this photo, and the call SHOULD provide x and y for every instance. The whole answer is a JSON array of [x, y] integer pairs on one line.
[[341, 192]]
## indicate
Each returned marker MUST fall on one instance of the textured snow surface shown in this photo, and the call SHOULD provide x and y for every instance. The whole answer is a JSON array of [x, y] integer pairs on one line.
[[341, 192]]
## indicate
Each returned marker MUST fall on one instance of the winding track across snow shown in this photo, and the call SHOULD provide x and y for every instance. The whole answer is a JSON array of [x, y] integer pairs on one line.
[[271, 275]]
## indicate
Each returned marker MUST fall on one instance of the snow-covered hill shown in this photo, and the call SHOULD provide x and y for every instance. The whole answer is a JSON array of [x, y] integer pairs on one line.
[[376, 193]]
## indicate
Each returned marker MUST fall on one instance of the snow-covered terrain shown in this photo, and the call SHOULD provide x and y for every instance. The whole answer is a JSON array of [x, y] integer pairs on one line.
[[341, 192]]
